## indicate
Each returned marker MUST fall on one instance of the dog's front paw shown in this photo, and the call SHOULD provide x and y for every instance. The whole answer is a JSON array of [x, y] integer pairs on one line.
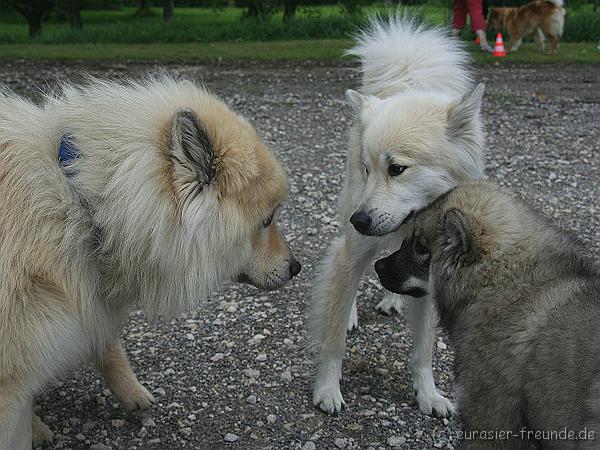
[[328, 398], [353, 320], [434, 404], [391, 304], [40, 432], [134, 396]]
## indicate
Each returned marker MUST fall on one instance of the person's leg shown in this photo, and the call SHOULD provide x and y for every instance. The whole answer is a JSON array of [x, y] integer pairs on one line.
[[459, 18], [475, 8]]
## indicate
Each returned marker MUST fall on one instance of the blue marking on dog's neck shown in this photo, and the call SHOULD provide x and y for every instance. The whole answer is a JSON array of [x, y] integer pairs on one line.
[[67, 154]]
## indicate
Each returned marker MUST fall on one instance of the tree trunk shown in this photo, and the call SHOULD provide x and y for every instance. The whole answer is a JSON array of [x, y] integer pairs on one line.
[[252, 10], [168, 10], [75, 18], [289, 9], [35, 12], [144, 8]]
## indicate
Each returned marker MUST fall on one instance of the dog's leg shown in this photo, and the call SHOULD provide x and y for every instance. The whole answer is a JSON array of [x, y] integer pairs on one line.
[[353, 320], [390, 304], [40, 432], [538, 37], [15, 418], [554, 40], [122, 382], [334, 295], [514, 44], [423, 321]]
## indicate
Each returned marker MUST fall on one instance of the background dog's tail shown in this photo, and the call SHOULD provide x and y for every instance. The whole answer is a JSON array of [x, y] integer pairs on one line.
[[398, 53], [558, 3]]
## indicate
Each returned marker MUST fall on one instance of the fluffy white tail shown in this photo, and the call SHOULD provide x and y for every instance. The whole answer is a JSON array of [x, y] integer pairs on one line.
[[398, 54]]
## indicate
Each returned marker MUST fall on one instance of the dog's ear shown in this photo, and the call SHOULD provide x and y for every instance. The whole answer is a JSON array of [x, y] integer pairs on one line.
[[464, 121], [191, 148], [461, 243], [355, 101]]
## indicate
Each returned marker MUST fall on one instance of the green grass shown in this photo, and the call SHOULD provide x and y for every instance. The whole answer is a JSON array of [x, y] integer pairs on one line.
[[194, 25], [326, 49]]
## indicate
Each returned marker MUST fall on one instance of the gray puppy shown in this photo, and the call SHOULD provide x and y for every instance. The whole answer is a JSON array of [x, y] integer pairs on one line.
[[522, 308]]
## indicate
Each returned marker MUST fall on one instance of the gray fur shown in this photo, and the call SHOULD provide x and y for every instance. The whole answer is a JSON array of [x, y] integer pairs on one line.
[[522, 306]]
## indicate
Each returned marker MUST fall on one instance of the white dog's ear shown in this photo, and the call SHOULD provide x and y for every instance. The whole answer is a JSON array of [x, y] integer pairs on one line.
[[462, 239], [191, 148], [354, 103], [464, 120]]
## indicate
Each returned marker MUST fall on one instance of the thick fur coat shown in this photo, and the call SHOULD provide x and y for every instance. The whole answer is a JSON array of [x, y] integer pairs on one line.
[[540, 18], [169, 194], [521, 304], [416, 133]]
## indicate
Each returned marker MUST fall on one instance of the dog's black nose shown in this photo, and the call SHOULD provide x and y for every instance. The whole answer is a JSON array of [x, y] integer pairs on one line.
[[361, 221], [295, 267]]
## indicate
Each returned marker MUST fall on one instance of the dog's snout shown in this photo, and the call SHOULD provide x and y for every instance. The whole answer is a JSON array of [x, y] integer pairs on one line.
[[361, 221], [295, 267]]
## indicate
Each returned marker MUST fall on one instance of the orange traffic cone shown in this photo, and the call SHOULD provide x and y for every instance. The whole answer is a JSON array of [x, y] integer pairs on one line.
[[499, 47]]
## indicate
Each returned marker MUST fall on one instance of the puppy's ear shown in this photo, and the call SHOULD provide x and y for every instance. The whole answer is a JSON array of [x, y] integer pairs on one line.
[[191, 149], [461, 240], [355, 102], [464, 119]]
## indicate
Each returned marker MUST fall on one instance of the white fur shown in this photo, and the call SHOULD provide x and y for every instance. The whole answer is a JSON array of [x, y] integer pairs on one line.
[[415, 110], [78, 253]]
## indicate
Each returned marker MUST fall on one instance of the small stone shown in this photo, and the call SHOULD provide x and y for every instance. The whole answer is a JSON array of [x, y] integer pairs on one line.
[[251, 399], [148, 422], [160, 391], [169, 371], [217, 357], [80, 437], [340, 442], [154, 441], [230, 437], [100, 447], [118, 423], [186, 431], [271, 418], [262, 357], [396, 441], [309, 445], [286, 376], [441, 345], [251, 373]]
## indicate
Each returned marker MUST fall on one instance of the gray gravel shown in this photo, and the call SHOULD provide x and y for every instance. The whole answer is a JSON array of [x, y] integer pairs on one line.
[[234, 372]]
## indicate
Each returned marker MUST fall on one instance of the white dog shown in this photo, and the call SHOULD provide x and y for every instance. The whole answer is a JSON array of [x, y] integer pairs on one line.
[[120, 196], [416, 133]]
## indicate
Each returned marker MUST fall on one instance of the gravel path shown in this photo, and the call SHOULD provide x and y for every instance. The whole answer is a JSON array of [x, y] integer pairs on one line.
[[234, 373]]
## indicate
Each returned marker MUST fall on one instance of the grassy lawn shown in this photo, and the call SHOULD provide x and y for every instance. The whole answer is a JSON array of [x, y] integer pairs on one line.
[[324, 49], [194, 25], [320, 33]]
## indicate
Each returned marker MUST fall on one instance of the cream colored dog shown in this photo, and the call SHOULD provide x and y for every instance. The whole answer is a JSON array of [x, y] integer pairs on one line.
[[162, 193], [416, 133]]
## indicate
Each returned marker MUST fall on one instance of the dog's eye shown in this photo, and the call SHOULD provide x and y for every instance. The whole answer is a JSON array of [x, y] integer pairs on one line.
[[421, 249], [395, 169], [267, 222]]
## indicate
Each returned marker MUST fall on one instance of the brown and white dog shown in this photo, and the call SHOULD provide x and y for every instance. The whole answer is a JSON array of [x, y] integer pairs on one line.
[[160, 194], [540, 18]]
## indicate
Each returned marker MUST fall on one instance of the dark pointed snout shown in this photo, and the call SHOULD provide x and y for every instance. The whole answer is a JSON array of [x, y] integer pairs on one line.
[[295, 267], [361, 221]]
